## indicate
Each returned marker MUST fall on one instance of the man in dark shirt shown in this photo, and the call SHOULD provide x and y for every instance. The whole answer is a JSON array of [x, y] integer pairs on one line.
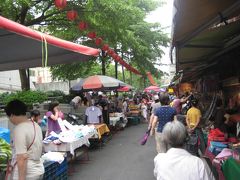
[[104, 104]]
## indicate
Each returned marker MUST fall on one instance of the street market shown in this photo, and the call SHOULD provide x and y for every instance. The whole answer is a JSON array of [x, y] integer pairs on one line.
[[94, 101]]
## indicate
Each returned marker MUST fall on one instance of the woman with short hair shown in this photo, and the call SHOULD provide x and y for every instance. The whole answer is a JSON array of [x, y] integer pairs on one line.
[[162, 115]]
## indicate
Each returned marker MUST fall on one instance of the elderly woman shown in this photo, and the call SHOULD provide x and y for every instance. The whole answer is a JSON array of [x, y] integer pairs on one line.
[[177, 163]]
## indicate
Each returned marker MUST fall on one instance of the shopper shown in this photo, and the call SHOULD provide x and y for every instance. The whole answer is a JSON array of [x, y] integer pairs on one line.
[[178, 102], [27, 144], [103, 102], [75, 102], [177, 163], [143, 108], [162, 115], [193, 119], [35, 116], [156, 104]]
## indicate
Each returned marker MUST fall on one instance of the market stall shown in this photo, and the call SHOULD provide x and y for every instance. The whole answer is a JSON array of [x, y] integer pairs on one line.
[[224, 155], [70, 140], [117, 120]]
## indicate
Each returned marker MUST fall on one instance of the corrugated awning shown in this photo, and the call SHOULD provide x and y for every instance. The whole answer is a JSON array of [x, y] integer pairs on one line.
[[198, 37], [21, 47]]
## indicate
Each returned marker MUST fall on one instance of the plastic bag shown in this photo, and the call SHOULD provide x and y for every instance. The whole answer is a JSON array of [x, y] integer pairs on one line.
[[145, 137]]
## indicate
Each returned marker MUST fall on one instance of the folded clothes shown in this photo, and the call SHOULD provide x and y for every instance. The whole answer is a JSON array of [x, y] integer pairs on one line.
[[53, 136], [53, 156]]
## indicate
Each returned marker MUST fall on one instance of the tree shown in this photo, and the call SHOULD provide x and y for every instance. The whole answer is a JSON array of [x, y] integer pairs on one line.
[[117, 22]]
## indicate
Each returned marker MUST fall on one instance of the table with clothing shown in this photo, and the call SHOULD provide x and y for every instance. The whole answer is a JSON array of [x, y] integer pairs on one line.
[[69, 140]]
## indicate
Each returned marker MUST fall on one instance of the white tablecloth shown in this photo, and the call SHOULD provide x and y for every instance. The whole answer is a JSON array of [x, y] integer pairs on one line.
[[67, 147]]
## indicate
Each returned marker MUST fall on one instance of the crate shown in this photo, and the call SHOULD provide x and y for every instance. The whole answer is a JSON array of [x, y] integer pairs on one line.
[[133, 120], [50, 170], [63, 176], [54, 170], [62, 168]]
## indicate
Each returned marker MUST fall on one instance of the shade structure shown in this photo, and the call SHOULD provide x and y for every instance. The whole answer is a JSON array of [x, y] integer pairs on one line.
[[152, 88], [98, 82], [21, 47], [125, 89], [203, 32]]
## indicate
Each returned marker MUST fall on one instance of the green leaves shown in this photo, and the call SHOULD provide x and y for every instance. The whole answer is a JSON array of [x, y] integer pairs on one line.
[[28, 97]]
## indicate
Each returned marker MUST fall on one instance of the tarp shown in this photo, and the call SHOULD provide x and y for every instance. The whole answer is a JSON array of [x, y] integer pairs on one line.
[[190, 16], [21, 47], [203, 30]]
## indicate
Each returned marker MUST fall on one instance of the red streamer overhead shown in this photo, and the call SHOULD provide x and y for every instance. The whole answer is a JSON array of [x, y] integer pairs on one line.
[[118, 58], [149, 75], [114, 55], [60, 4], [72, 15]]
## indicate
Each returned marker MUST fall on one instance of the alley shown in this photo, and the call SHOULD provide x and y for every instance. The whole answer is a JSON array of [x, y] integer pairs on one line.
[[122, 158]]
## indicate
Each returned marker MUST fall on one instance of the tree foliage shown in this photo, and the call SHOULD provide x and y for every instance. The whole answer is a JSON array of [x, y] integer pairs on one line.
[[120, 23]]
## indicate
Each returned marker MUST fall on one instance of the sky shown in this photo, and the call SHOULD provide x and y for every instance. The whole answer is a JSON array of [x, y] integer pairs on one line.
[[163, 15]]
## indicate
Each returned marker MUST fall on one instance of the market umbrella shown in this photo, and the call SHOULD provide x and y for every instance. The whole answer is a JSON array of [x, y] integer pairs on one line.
[[152, 88], [98, 82], [125, 89]]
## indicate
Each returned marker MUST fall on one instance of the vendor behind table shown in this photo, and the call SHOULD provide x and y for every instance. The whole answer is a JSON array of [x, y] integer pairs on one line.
[[54, 115]]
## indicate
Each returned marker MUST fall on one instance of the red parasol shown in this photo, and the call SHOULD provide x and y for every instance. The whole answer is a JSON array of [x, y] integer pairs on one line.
[[125, 89], [98, 82], [152, 88]]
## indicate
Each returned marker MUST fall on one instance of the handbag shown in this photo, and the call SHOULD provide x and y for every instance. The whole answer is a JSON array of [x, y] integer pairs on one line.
[[9, 166], [192, 144], [145, 137]]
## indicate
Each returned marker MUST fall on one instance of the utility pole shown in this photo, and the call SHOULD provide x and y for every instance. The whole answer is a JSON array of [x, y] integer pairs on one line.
[[103, 60]]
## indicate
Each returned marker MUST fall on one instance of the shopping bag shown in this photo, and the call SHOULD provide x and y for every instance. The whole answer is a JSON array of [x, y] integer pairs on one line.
[[145, 137]]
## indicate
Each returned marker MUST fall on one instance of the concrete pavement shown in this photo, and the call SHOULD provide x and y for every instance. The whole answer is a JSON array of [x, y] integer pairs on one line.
[[122, 158]]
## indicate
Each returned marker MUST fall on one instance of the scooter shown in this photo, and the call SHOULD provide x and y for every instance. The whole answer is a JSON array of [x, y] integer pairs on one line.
[[74, 119]]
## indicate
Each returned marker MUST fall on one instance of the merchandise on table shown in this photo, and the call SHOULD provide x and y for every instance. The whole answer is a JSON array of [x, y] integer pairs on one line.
[[71, 139], [216, 147]]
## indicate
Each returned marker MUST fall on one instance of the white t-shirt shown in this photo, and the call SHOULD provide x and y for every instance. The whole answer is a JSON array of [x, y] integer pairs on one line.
[[23, 136], [177, 163]]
